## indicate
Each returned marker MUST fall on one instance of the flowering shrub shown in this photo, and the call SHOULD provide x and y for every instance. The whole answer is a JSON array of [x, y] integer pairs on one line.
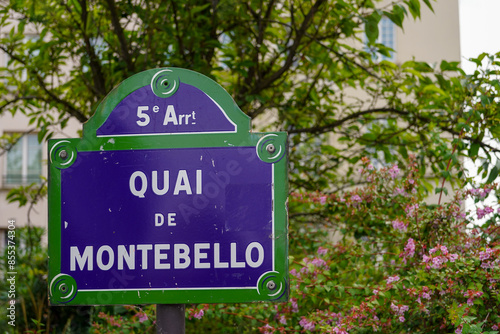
[[396, 265], [383, 261], [125, 319]]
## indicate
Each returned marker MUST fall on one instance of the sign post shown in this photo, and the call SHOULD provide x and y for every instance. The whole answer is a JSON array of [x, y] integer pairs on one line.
[[168, 198]]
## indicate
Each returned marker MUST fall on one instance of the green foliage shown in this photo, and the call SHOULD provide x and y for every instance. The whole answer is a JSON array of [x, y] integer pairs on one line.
[[399, 265], [28, 194], [29, 290], [124, 319], [63, 64]]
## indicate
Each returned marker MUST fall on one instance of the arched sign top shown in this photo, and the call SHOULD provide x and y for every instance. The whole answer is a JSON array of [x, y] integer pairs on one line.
[[167, 101]]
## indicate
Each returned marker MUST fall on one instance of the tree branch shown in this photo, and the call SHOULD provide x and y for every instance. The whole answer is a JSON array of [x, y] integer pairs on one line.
[[266, 82], [72, 110], [125, 53]]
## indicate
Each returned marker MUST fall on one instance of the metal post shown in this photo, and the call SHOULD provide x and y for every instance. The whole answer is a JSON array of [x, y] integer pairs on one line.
[[170, 319]]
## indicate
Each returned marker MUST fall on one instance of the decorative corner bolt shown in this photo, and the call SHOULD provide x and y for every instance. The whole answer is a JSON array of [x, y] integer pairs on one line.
[[63, 154], [271, 148], [271, 285]]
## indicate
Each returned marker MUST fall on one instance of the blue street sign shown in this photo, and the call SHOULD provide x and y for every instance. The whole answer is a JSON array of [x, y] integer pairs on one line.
[[168, 198]]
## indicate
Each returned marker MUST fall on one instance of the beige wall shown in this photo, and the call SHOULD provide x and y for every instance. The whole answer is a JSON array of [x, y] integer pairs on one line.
[[436, 36], [38, 213]]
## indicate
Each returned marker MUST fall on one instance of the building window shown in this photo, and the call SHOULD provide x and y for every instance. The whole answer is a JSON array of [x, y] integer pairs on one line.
[[386, 37], [24, 161]]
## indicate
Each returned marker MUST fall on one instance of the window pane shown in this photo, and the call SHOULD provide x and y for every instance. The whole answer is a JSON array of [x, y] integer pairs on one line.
[[24, 161], [15, 163], [34, 162]]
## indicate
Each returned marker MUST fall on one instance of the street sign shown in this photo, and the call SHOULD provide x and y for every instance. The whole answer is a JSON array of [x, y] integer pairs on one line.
[[168, 198]]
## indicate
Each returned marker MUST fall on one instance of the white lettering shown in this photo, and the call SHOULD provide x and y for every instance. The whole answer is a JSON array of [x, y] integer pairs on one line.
[[198, 256], [81, 259], [181, 256], [171, 219], [217, 261], [159, 219], [161, 256], [138, 182], [182, 183], [198, 181], [144, 249], [111, 257], [144, 117], [234, 262], [165, 183], [168, 256], [129, 257], [144, 184], [170, 116], [260, 252]]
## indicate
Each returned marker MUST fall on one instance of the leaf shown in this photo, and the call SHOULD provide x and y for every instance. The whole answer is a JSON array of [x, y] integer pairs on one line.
[[414, 7], [397, 15], [371, 28], [474, 150], [493, 174]]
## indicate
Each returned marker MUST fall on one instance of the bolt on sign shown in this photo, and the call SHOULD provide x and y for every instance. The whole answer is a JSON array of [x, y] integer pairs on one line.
[[168, 198]]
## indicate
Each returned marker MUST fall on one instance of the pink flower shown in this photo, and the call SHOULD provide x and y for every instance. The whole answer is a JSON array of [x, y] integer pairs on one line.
[[410, 247], [402, 319], [444, 250], [319, 262], [267, 329], [322, 250], [295, 273], [391, 279], [486, 254], [282, 320], [295, 306], [356, 198], [322, 199], [438, 262], [487, 265], [142, 317], [199, 314], [393, 171], [399, 225], [483, 212], [338, 330], [307, 324], [494, 327], [399, 191], [411, 210]]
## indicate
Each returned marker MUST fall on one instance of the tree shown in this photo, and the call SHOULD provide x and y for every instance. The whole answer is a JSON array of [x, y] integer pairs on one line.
[[294, 59]]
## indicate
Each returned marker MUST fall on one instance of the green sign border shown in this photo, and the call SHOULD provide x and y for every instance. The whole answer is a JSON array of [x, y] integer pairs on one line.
[[62, 287]]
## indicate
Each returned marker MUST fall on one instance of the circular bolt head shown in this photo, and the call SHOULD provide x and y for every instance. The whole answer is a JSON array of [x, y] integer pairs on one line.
[[271, 148], [271, 285], [63, 154]]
